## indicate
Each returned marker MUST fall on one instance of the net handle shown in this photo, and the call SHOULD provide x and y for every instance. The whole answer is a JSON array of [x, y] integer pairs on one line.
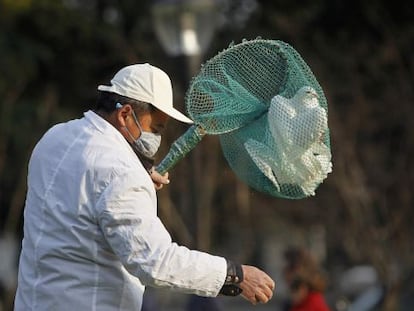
[[179, 149]]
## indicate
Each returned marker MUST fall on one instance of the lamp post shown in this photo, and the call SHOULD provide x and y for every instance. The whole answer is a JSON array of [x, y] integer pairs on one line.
[[185, 28]]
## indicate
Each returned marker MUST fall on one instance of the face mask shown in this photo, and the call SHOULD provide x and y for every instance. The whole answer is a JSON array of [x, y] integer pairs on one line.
[[147, 143]]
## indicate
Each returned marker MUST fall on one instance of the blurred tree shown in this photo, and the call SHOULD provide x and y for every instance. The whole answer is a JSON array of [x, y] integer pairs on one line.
[[361, 53], [49, 50]]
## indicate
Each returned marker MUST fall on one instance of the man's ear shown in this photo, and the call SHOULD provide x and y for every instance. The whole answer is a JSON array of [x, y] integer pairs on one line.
[[123, 113]]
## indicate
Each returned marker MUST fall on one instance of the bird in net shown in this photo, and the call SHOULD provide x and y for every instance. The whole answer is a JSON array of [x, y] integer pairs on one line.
[[270, 113]]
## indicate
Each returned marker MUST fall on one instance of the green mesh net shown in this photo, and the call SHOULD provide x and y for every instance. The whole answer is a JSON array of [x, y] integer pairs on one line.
[[270, 113]]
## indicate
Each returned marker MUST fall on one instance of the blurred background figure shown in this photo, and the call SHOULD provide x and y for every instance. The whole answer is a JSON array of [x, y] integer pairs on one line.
[[306, 281], [361, 290]]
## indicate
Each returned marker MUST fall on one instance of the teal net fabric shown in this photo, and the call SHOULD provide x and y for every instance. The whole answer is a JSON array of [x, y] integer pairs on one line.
[[270, 113]]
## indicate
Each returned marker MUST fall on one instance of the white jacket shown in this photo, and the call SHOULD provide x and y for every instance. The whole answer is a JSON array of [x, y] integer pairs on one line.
[[92, 238]]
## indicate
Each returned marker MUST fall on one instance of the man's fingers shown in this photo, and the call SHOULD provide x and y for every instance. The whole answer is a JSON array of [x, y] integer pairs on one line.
[[260, 295], [258, 298], [262, 298], [264, 295], [271, 284], [158, 179], [268, 292]]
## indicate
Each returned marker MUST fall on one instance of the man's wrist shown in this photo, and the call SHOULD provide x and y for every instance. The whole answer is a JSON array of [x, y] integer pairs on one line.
[[234, 273], [233, 278]]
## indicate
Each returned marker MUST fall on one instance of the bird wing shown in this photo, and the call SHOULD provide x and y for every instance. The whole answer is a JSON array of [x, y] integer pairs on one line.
[[280, 117], [309, 126], [262, 157]]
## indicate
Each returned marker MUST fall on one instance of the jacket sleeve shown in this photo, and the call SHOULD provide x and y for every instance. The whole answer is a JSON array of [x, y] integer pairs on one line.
[[128, 220]]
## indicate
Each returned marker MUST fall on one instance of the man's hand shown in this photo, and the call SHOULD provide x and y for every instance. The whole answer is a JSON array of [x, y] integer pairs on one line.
[[158, 179], [257, 286]]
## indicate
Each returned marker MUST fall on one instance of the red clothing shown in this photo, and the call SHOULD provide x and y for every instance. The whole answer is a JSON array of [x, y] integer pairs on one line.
[[313, 302]]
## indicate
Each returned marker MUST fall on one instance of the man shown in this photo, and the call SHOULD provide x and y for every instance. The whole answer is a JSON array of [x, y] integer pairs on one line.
[[92, 238]]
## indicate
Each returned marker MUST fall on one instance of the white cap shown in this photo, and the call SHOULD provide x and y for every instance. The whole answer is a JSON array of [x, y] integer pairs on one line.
[[146, 83]]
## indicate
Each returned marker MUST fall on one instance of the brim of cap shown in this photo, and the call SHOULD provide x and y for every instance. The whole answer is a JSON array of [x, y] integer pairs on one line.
[[175, 114], [170, 111]]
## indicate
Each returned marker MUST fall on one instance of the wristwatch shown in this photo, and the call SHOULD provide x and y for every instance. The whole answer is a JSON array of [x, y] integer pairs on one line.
[[233, 278]]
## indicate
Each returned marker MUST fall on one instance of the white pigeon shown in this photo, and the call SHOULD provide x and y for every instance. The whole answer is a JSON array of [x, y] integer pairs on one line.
[[297, 126]]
